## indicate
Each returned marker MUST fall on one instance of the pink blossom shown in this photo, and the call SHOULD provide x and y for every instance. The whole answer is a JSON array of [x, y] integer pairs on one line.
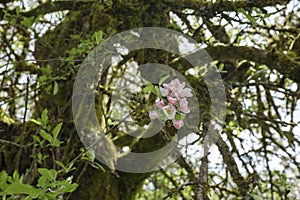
[[178, 124], [169, 111], [159, 103], [186, 92], [183, 106], [175, 94], [176, 86], [171, 100], [164, 90], [153, 114], [176, 89]]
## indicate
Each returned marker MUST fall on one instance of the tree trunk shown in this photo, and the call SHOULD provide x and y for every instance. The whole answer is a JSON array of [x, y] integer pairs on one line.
[[94, 184]]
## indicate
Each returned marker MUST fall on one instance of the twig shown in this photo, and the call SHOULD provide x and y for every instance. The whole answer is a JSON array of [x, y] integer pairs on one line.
[[173, 182], [182, 187], [15, 144], [203, 176], [19, 154]]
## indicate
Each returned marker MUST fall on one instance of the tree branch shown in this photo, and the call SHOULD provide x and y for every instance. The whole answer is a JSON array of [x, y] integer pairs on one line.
[[242, 184], [173, 181], [49, 7], [274, 60], [55, 6], [203, 177], [204, 8]]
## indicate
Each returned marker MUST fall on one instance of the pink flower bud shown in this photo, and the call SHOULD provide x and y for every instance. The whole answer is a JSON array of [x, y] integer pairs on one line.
[[171, 100], [159, 103], [178, 124]]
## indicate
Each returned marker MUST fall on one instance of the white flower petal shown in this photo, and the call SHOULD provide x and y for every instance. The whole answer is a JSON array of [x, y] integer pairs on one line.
[[169, 111], [164, 91]]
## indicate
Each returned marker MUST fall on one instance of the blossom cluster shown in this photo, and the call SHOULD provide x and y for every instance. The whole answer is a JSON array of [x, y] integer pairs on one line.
[[172, 104]]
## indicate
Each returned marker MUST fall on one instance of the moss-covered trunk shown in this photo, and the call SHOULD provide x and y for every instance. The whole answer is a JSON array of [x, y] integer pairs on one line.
[[110, 18], [95, 185]]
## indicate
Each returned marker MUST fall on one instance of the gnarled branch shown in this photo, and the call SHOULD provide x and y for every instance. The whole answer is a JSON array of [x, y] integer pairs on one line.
[[274, 60]]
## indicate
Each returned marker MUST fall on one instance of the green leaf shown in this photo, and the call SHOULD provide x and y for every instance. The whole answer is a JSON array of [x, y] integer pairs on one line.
[[36, 121], [3, 179], [90, 155], [19, 188], [36, 138], [55, 88], [45, 116], [68, 187], [59, 163], [3, 176], [56, 130], [15, 176], [13, 21], [6, 118], [48, 174], [70, 167], [40, 157], [179, 116], [157, 92], [162, 80], [148, 88], [18, 9], [27, 21], [231, 124], [75, 36], [221, 67], [46, 136], [249, 17], [282, 177], [56, 142]]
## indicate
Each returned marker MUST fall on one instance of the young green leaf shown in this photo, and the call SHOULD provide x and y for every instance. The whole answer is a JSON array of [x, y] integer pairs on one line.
[[162, 80], [45, 116], [68, 187], [56, 130], [40, 157], [91, 154], [179, 116], [15, 176], [46, 136], [59, 163], [249, 17], [56, 142], [19, 188], [3, 180], [27, 21], [3, 176], [148, 88], [157, 92], [55, 88], [36, 138], [70, 167], [48, 174], [36, 121]]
